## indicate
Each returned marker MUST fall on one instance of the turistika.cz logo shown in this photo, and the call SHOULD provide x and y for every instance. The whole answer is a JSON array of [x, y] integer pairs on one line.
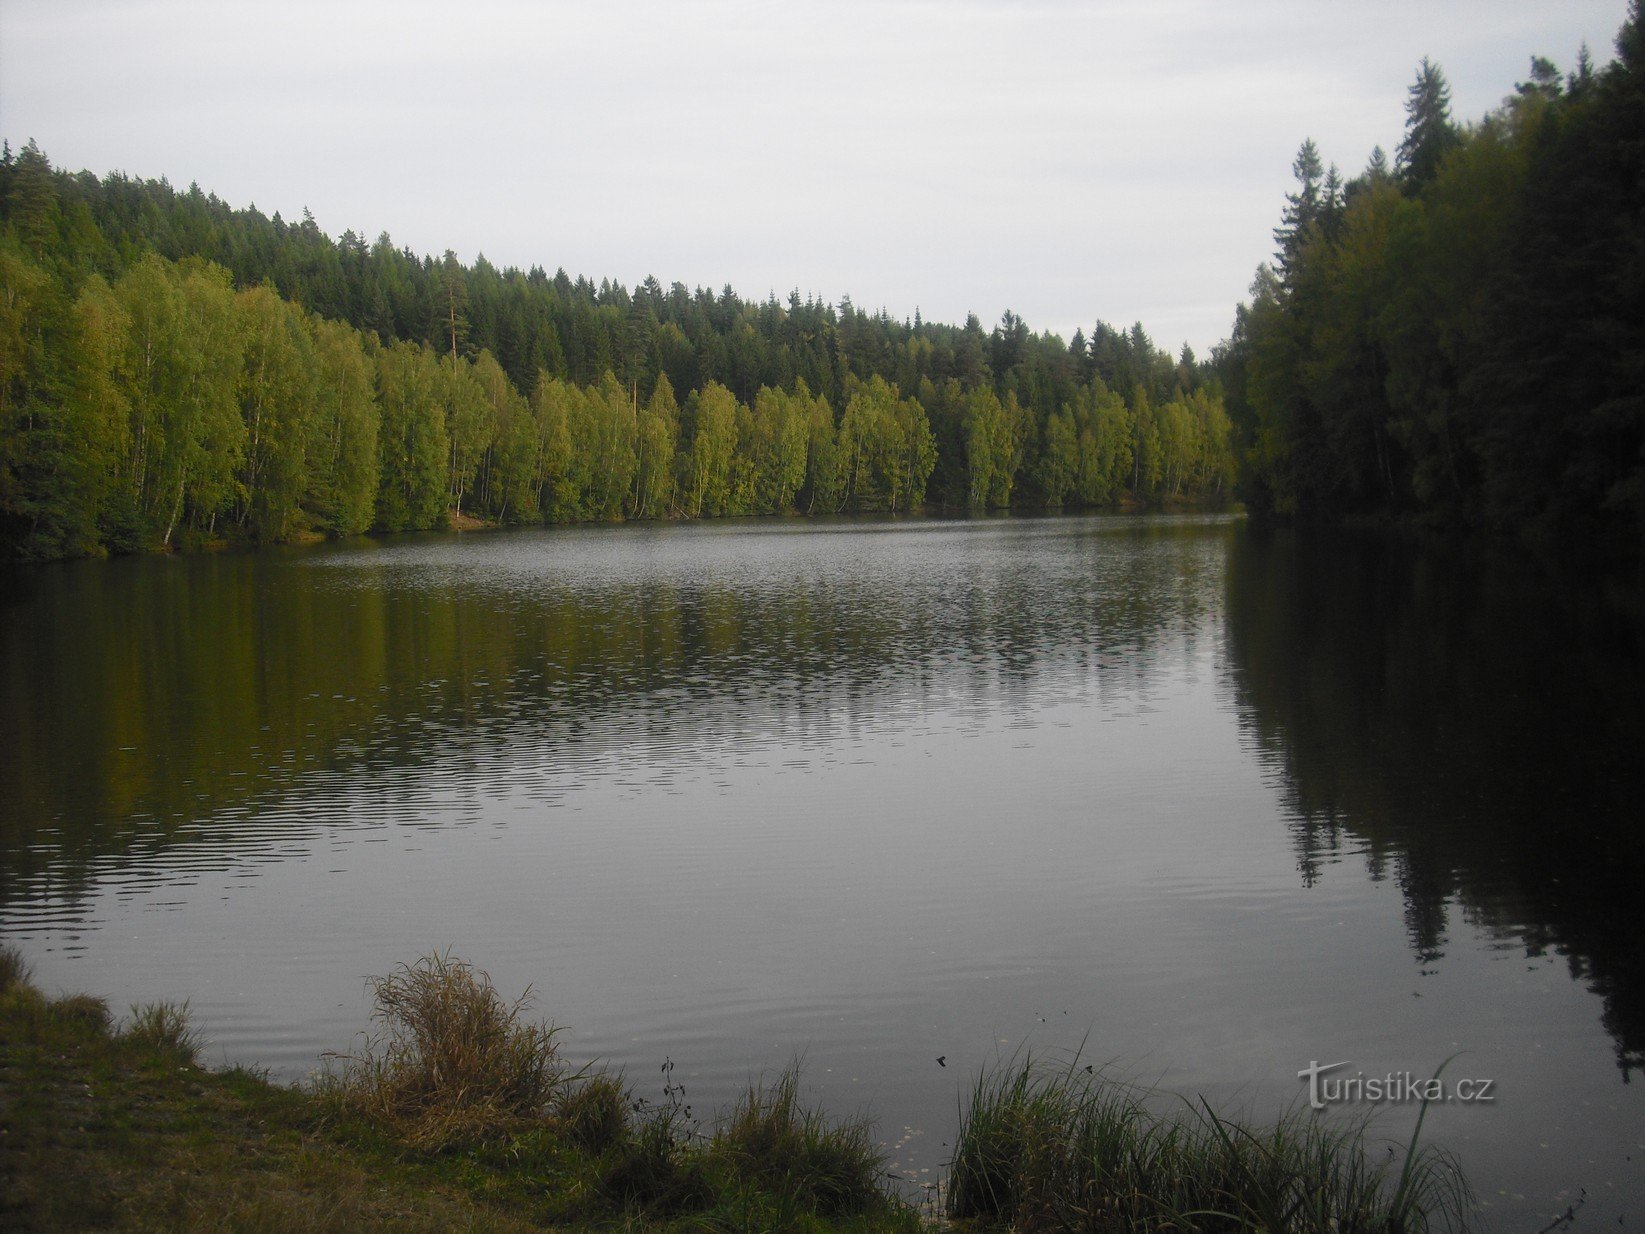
[[1394, 1088]]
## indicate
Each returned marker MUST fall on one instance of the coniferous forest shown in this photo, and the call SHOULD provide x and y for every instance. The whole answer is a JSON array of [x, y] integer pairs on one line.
[[1457, 335], [1454, 336]]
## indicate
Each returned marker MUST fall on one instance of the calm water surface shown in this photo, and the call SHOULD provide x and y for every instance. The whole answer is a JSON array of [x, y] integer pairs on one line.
[[1207, 803]]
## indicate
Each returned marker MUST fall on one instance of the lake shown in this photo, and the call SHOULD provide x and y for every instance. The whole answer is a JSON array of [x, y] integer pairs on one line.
[[1205, 803]]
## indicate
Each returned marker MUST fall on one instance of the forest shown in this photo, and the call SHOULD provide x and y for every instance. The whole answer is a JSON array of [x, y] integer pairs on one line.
[[175, 372], [1454, 337], [1458, 338]]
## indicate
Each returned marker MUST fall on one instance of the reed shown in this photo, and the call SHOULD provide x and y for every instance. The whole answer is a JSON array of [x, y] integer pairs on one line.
[[1061, 1148]]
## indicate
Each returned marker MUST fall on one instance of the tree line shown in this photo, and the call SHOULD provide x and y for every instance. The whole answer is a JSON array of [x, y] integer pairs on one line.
[[1456, 335], [175, 371], [1459, 337]]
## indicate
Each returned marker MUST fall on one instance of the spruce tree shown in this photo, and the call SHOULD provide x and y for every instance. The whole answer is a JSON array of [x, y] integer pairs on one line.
[[1302, 208], [1429, 132]]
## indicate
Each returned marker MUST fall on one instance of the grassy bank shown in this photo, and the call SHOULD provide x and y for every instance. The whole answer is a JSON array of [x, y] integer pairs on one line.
[[459, 1113]]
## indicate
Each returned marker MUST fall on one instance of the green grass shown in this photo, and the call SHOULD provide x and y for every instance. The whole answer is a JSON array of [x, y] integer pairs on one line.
[[771, 1142], [161, 1028], [1062, 1148]]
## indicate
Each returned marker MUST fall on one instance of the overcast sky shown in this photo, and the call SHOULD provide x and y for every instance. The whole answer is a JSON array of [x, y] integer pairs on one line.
[[1112, 160]]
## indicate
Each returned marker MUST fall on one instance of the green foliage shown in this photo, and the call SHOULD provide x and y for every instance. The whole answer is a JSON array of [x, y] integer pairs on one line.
[[413, 471], [278, 391], [503, 484], [179, 374], [342, 453], [1460, 342], [1104, 462], [467, 415], [147, 404], [779, 431], [822, 463], [554, 486], [1147, 447], [1429, 133], [654, 447], [886, 450], [705, 475], [605, 435], [62, 413], [987, 449]]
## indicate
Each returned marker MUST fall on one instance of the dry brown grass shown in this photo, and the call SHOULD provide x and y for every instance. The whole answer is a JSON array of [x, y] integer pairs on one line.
[[453, 1061]]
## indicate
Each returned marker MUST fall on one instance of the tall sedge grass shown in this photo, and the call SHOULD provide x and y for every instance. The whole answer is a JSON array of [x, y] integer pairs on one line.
[[1057, 1148], [769, 1140], [452, 1060]]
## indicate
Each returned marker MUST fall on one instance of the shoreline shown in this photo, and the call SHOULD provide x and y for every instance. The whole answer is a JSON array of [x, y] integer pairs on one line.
[[460, 1113]]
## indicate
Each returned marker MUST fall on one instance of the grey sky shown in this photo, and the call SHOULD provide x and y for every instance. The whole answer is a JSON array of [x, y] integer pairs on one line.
[[1071, 161]]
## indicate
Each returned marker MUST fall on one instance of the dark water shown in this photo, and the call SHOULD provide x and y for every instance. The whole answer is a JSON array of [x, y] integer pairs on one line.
[[1207, 803]]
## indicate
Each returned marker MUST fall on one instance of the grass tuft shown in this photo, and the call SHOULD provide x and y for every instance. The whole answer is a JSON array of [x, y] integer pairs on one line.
[[594, 1112], [14, 970], [453, 1061], [164, 1029], [85, 1010], [1059, 1148], [771, 1142], [654, 1171]]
